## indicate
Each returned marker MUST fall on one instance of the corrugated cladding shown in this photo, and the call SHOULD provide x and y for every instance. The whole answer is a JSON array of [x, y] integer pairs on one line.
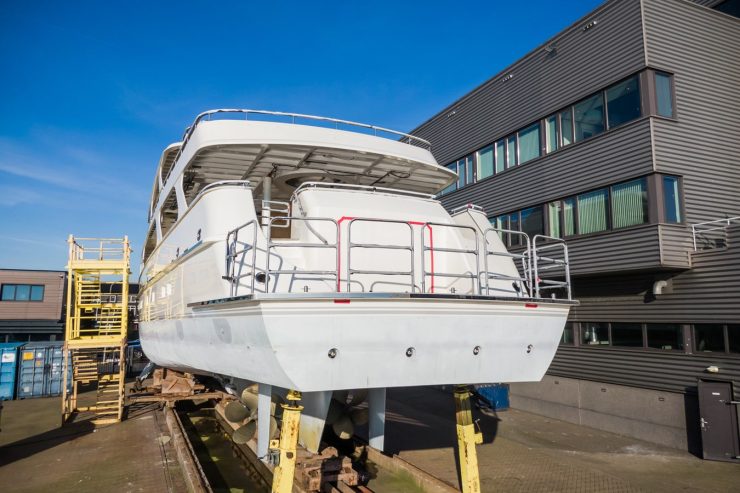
[[702, 47], [661, 370], [709, 292], [48, 309], [582, 62]]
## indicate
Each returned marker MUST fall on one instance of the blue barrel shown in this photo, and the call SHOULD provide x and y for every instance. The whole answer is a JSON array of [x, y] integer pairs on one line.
[[40, 369], [496, 395], [8, 367]]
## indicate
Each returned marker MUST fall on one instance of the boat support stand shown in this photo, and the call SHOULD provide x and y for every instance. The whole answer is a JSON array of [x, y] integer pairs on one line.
[[467, 439], [282, 479]]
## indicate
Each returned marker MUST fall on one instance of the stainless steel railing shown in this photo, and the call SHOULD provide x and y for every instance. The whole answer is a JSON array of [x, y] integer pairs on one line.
[[709, 235], [242, 246], [380, 246]]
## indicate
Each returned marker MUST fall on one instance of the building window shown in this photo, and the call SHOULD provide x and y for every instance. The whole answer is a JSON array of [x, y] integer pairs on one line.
[[532, 221], [627, 335], [462, 173], [664, 336], [671, 199], [623, 102], [594, 333], [588, 116], [567, 337], [551, 133], [529, 143], [629, 203], [592, 207], [500, 156], [709, 337], [485, 162], [664, 94], [569, 216], [553, 219], [566, 127], [733, 338], [22, 292], [515, 240], [511, 151]]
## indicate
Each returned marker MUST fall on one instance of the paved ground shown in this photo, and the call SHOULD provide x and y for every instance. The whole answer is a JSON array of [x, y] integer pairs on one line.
[[525, 452], [37, 455]]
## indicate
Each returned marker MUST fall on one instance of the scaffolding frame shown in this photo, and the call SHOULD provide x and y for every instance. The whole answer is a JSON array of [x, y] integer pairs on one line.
[[96, 327]]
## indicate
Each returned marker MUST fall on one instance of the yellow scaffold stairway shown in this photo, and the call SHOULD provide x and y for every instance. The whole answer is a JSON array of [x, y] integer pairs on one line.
[[97, 320]]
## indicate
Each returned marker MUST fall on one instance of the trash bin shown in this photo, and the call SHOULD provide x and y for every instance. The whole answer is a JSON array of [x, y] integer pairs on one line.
[[496, 395]]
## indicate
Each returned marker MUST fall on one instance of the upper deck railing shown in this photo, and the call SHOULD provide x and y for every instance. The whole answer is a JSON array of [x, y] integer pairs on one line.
[[298, 119], [712, 234]]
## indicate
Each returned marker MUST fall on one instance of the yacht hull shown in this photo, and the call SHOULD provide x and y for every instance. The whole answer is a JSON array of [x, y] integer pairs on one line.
[[375, 341]]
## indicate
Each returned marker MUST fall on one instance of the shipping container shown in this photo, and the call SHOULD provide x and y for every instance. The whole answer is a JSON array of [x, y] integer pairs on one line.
[[8, 369], [496, 395], [40, 369]]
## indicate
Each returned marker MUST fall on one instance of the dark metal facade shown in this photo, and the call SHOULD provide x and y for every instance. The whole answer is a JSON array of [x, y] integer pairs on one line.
[[616, 270]]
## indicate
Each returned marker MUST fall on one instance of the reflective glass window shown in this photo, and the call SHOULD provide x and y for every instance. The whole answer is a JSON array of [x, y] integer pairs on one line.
[[629, 203], [485, 162], [566, 126], [553, 219], [664, 94], [664, 336], [588, 116], [22, 292], [500, 156], [529, 143], [709, 337], [8, 293], [514, 226], [594, 333], [37, 293], [592, 207], [567, 337], [627, 334], [511, 151], [453, 185], [462, 173], [569, 216], [532, 221], [551, 133], [671, 199], [623, 102]]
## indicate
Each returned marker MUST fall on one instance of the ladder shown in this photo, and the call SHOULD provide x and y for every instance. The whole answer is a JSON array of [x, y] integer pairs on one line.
[[95, 334]]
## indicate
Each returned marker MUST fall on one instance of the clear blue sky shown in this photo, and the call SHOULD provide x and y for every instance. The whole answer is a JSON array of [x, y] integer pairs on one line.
[[90, 93]]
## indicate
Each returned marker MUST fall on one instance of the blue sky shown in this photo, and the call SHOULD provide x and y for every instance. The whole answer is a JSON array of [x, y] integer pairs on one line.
[[90, 93]]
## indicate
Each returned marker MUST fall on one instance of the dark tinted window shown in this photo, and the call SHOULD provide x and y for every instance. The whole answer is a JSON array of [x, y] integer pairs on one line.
[[664, 336], [626, 334], [709, 337], [532, 221], [623, 102], [733, 338], [594, 333]]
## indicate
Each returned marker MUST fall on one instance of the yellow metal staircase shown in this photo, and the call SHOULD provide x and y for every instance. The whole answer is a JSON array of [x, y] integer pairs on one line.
[[97, 320]]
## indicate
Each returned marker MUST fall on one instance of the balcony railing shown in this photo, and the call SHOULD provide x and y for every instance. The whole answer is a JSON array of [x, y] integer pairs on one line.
[[710, 235]]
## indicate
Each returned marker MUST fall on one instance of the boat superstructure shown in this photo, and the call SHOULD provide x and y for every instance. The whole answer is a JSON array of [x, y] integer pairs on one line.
[[310, 253]]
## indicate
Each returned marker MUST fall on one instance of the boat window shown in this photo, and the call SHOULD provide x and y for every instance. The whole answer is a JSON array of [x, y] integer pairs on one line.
[[168, 213], [623, 102]]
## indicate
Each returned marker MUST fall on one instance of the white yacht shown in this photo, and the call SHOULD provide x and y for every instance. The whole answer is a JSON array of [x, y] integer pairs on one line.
[[309, 253]]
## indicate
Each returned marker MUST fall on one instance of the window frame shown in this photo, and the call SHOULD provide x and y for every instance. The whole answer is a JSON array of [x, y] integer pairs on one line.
[[30, 292]]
